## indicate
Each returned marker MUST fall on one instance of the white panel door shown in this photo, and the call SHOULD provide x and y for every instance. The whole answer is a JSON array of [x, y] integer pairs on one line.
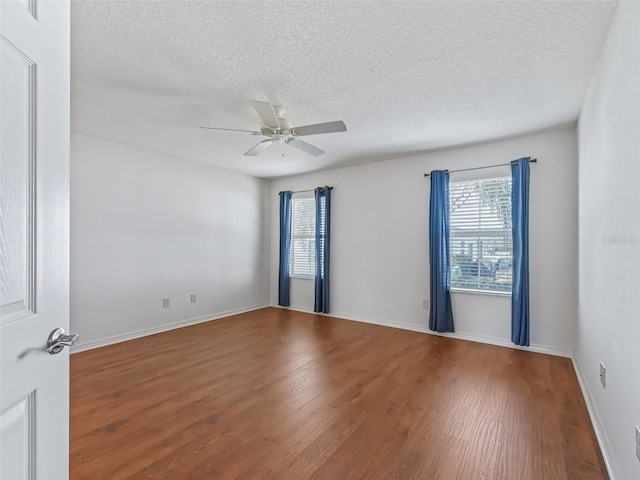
[[34, 238]]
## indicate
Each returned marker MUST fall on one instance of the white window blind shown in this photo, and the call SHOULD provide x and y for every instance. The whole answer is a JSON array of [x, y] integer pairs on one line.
[[480, 235], [302, 260]]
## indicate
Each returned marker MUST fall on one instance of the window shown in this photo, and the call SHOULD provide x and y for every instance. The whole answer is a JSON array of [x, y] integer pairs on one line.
[[302, 261], [480, 236]]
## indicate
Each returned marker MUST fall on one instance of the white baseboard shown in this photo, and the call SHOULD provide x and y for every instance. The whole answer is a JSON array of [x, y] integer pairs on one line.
[[472, 337], [371, 320], [81, 347], [601, 435], [500, 342]]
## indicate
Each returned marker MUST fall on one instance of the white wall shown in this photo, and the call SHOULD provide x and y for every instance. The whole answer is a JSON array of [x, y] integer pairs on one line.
[[379, 264], [145, 226], [609, 322]]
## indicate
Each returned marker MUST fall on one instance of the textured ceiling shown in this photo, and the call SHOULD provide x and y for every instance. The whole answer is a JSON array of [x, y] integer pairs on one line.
[[405, 77]]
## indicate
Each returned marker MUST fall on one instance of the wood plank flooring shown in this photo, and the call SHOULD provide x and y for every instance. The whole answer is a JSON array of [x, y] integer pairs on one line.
[[277, 394]]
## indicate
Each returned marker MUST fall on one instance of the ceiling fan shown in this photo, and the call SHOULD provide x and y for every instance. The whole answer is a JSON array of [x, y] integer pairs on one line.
[[278, 130]]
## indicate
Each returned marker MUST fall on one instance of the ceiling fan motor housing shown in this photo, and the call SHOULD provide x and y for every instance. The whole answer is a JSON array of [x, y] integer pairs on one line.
[[277, 134]]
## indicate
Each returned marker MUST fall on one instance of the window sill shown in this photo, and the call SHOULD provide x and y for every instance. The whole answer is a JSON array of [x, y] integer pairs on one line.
[[481, 292], [303, 277]]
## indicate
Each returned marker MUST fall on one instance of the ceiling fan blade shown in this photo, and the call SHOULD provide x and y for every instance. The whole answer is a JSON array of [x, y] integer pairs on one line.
[[232, 130], [266, 113], [305, 147], [263, 145], [328, 127]]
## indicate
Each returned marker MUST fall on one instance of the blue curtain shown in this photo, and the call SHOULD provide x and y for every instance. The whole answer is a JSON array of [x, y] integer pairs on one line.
[[285, 248], [323, 242], [441, 314], [520, 284]]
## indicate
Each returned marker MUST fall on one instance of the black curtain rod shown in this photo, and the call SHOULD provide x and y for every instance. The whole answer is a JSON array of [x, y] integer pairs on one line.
[[312, 190], [533, 160]]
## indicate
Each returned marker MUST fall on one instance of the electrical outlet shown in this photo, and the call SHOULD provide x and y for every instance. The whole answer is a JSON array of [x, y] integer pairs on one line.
[[638, 442], [165, 303], [194, 299], [603, 375], [425, 304]]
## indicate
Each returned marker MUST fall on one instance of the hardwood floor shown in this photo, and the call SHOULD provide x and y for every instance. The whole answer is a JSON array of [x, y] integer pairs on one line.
[[284, 395]]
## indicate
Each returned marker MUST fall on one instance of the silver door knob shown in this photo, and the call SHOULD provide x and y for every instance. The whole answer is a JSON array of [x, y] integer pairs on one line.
[[58, 340]]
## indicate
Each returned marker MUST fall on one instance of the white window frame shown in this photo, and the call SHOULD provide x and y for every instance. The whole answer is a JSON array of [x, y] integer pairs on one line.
[[456, 235], [292, 274]]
